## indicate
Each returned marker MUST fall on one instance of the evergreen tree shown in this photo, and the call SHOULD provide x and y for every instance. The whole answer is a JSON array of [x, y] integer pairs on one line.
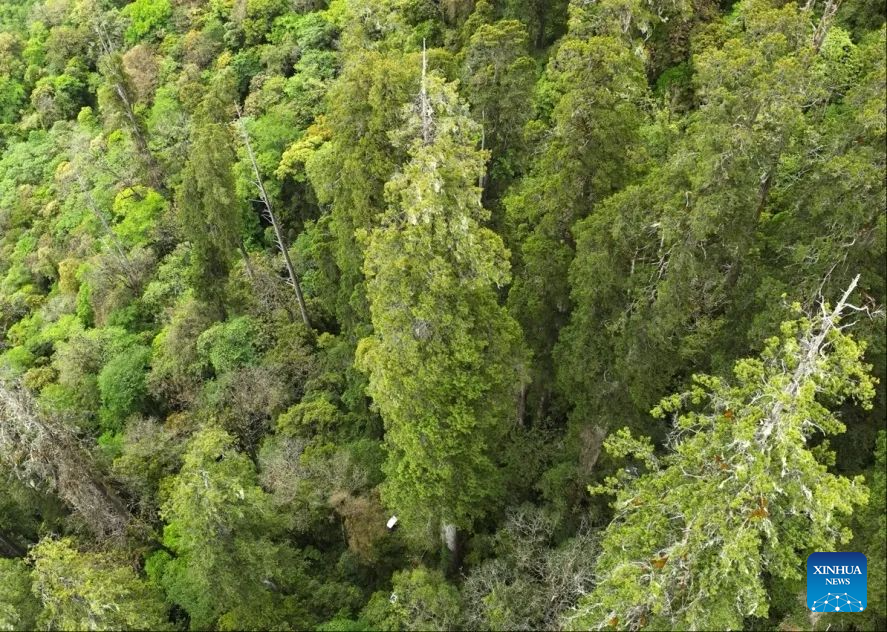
[[209, 211], [444, 359], [92, 591], [227, 571], [349, 172], [599, 84], [19, 608], [684, 269], [616, 196], [499, 77], [743, 496]]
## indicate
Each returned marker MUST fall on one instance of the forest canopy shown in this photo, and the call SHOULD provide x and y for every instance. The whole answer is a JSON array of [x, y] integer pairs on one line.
[[351, 315]]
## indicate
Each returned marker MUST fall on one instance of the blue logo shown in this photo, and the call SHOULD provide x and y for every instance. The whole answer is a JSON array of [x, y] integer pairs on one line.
[[837, 582]]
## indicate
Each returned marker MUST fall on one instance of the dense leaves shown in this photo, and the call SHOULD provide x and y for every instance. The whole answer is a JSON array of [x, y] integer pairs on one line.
[[351, 314]]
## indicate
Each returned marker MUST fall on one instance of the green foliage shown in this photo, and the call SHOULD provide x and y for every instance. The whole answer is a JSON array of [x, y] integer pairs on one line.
[[122, 386], [148, 453], [315, 417], [259, 16], [12, 97], [243, 584], [597, 85], [360, 154], [444, 359], [92, 591], [499, 76], [176, 367], [741, 494], [228, 345], [209, 211], [147, 18], [58, 98], [683, 270], [138, 211], [19, 608], [518, 225], [870, 538], [420, 599]]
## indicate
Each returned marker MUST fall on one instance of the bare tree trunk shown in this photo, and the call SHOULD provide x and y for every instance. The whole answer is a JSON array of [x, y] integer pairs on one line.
[[135, 127], [115, 74], [246, 261], [426, 112], [40, 450], [521, 405], [809, 364], [10, 548], [482, 178], [825, 23], [448, 534], [269, 212]]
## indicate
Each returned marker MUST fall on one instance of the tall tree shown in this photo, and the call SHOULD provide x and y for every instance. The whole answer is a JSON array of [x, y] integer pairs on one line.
[[209, 210], [444, 361], [121, 96], [349, 172], [498, 77], [745, 494], [598, 83], [684, 270], [228, 571]]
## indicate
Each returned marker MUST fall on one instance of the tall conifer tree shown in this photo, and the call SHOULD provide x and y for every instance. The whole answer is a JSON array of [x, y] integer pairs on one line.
[[444, 359], [743, 498], [209, 211]]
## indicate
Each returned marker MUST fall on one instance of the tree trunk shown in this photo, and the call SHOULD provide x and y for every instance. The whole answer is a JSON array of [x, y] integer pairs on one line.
[[278, 234], [37, 448], [825, 23], [449, 535], [10, 548], [246, 261]]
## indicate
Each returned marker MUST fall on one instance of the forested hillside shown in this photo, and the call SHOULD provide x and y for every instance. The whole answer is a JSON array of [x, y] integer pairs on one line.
[[440, 314]]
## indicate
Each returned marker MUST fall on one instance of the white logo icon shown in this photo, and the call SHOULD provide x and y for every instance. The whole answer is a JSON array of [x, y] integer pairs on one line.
[[837, 602]]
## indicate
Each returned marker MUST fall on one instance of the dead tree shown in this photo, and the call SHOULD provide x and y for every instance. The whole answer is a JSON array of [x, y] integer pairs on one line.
[[825, 22], [269, 214], [44, 454]]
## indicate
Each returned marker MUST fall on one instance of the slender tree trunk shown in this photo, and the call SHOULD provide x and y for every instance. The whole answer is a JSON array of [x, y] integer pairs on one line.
[[246, 262], [122, 258], [155, 174], [10, 548], [278, 234], [825, 23], [135, 127], [425, 110], [37, 447], [521, 406]]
